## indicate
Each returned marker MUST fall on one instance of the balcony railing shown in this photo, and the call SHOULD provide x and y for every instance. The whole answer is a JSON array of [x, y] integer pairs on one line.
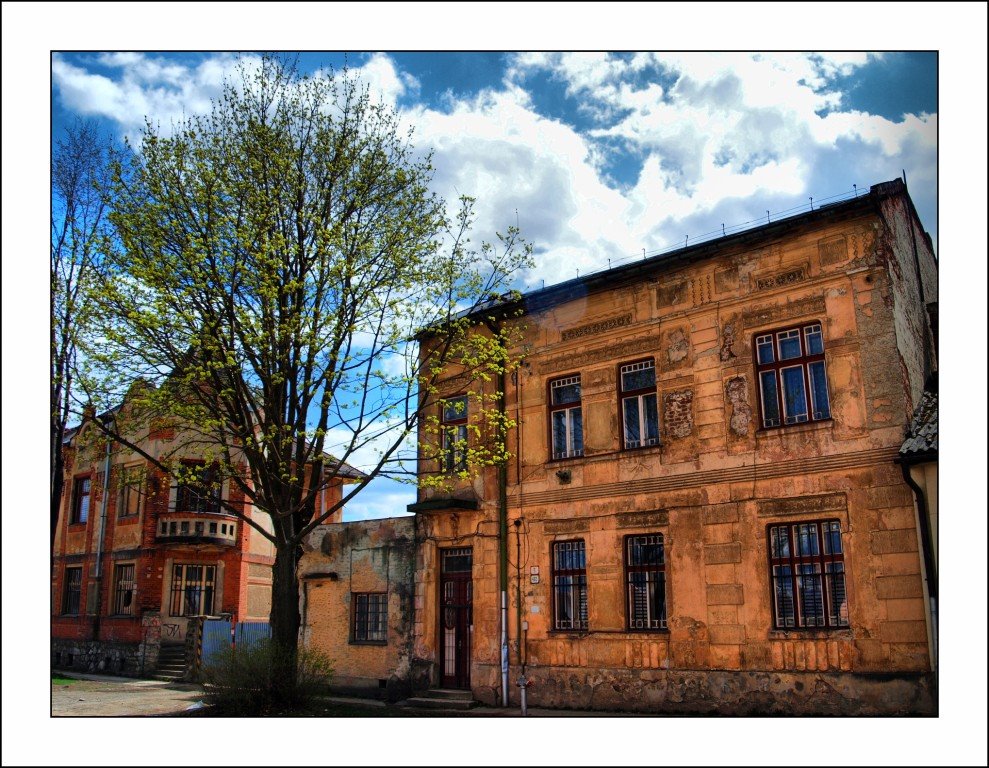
[[198, 528]]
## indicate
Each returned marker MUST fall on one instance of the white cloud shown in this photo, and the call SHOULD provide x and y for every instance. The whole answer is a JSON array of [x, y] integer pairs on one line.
[[715, 136]]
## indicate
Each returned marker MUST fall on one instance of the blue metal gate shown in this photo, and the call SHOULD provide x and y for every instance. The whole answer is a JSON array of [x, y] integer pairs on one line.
[[216, 637], [250, 632]]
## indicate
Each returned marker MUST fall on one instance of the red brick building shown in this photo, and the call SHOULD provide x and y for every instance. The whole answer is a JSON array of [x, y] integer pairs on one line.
[[137, 553]]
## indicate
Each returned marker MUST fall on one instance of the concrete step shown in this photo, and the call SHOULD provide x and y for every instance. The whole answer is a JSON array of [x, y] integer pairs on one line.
[[426, 702], [168, 678], [456, 694]]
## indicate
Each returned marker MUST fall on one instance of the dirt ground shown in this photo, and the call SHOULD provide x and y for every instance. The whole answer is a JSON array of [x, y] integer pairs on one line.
[[104, 696]]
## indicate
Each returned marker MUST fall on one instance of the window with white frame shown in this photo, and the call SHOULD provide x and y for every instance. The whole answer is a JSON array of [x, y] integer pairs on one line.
[[792, 376], [566, 420], [807, 565], [453, 435], [640, 415]]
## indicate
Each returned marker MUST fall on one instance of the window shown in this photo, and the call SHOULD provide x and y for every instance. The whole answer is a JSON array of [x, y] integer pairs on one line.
[[192, 590], [80, 500], [131, 484], [123, 590], [453, 435], [370, 617], [639, 416], [73, 591], [645, 579], [200, 493], [566, 423], [569, 585], [808, 575], [793, 385]]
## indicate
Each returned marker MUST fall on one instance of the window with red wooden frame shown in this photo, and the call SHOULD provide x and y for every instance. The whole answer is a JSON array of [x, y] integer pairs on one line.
[[645, 581], [566, 423], [200, 493], [569, 585], [807, 574], [80, 500], [639, 416], [792, 375]]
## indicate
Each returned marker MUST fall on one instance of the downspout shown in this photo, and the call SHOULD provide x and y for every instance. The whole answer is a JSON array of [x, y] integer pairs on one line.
[[926, 539], [503, 536], [99, 541]]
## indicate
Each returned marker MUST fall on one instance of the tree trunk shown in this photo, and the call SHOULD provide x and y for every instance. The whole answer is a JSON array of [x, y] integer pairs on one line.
[[58, 479], [285, 619]]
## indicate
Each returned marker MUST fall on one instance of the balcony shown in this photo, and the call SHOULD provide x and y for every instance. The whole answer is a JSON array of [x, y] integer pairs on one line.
[[197, 528]]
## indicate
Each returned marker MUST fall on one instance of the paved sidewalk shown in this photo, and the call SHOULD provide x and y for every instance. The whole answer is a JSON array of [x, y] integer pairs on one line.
[[107, 696], [92, 695]]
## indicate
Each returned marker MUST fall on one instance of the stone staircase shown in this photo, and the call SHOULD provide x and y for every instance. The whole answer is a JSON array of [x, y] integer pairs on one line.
[[171, 663], [442, 698]]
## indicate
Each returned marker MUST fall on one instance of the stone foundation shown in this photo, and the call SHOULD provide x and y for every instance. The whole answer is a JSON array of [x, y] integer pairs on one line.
[[96, 656], [723, 693]]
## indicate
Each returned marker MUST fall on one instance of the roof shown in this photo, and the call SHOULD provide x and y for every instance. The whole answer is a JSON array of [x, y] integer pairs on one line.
[[544, 298], [922, 434], [341, 468]]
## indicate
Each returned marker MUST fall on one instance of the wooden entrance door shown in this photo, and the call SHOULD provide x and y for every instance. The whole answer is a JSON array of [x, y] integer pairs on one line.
[[456, 616]]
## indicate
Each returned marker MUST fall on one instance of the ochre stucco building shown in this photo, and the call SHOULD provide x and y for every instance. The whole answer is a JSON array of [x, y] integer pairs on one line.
[[703, 507]]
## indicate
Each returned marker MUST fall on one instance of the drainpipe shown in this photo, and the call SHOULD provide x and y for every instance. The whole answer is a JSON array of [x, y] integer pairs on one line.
[[926, 545], [99, 541], [503, 543]]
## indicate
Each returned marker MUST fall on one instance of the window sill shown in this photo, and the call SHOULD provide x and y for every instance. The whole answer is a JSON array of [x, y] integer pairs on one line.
[[78, 526], [811, 633], [128, 519], [804, 426], [376, 643]]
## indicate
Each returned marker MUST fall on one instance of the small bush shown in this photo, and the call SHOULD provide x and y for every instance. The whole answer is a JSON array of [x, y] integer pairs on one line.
[[256, 679]]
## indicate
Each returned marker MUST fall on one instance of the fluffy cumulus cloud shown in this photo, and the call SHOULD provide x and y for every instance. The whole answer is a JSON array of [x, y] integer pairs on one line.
[[646, 150]]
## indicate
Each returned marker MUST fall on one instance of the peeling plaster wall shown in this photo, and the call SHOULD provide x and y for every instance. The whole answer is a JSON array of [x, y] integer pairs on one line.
[[356, 557], [712, 488]]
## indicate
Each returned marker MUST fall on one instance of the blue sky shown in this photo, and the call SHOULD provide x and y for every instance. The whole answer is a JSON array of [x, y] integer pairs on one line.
[[595, 167], [599, 155]]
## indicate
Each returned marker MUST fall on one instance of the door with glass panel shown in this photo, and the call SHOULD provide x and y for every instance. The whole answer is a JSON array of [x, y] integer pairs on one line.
[[456, 616]]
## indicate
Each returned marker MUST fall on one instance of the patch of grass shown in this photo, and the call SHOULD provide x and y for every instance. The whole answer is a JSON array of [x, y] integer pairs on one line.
[[59, 678]]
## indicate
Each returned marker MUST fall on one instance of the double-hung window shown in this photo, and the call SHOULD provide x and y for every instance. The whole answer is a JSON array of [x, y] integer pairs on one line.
[[370, 617], [131, 485], [569, 585], [640, 416], [566, 421], [453, 435], [793, 382], [645, 580], [80, 500], [807, 567]]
